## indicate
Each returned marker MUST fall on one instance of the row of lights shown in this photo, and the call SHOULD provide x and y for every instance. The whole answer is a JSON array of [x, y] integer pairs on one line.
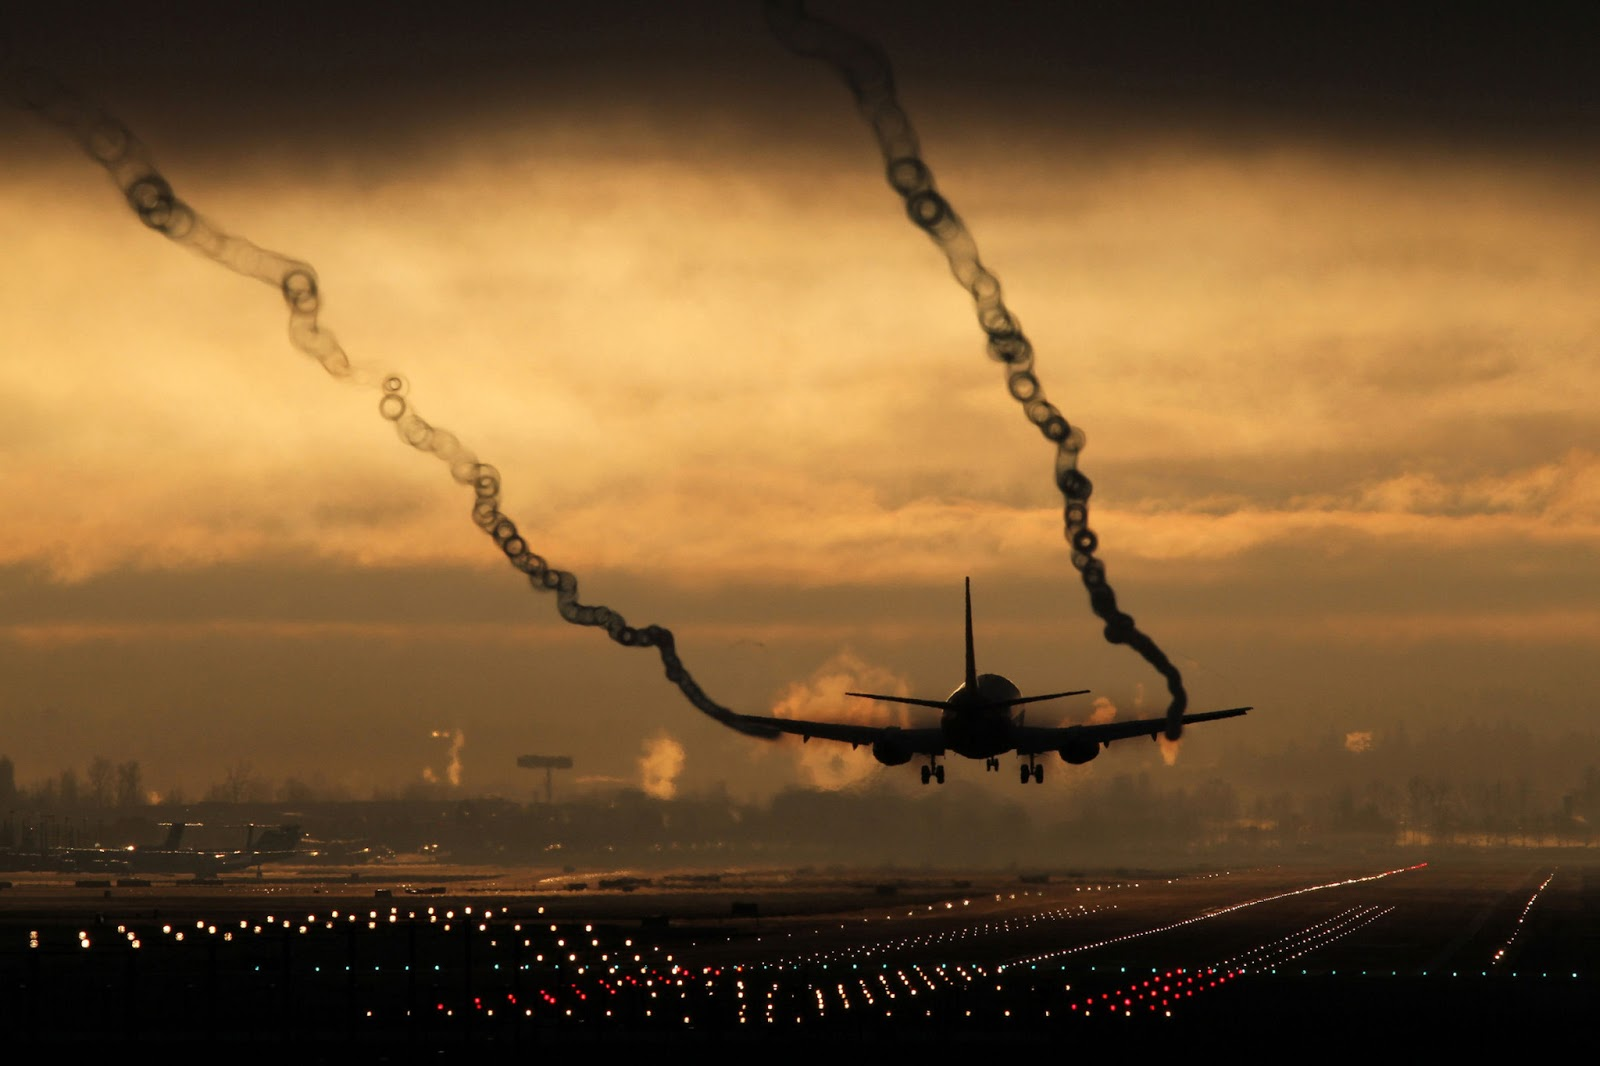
[[1522, 919]]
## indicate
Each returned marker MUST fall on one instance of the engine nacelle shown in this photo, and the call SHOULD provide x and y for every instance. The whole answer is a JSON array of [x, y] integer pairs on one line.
[[890, 749], [1078, 752]]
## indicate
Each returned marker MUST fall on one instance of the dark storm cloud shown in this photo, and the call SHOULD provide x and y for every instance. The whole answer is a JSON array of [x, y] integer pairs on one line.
[[1429, 70]]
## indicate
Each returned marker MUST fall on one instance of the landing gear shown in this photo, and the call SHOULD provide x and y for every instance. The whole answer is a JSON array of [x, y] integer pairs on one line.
[[1033, 770], [933, 772], [991, 764]]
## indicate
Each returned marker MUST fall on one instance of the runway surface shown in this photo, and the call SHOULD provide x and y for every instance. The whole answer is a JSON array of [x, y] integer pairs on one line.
[[1443, 954]]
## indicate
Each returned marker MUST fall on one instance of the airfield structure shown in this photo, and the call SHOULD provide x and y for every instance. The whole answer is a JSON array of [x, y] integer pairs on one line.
[[547, 763]]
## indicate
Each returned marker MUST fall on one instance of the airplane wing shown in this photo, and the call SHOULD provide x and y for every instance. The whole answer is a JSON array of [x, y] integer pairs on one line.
[[1035, 740], [928, 741]]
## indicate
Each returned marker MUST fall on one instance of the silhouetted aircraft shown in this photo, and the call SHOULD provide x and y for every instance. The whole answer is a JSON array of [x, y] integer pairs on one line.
[[977, 722], [275, 843], [171, 857]]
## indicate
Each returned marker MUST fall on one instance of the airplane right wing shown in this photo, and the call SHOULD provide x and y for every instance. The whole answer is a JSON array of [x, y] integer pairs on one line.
[[1035, 740]]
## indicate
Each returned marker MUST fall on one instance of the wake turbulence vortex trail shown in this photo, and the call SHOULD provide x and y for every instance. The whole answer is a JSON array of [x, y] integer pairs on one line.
[[865, 69], [151, 197]]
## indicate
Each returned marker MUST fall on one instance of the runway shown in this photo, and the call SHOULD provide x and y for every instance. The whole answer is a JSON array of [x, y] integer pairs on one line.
[[1451, 951]]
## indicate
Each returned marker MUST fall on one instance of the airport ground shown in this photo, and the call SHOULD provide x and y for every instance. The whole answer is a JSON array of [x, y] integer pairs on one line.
[[1426, 955]]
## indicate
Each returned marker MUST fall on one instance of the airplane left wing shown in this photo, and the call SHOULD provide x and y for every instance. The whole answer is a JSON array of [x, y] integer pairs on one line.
[[912, 741], [1035, 740]]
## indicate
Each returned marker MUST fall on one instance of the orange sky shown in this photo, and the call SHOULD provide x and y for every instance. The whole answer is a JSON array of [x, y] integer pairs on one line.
[[1339, 394]]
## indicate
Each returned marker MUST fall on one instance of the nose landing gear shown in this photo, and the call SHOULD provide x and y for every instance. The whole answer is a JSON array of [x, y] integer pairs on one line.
[[932, 772]]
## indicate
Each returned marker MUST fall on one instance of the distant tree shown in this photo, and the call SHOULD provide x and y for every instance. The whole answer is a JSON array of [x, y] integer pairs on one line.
[[1216, 801], [1419, 807], [238, 785], [101, 773], [45, 795], [1522, 802], [130, 784], [67, 791], [8, 781], [1284, 813], [295, 790]]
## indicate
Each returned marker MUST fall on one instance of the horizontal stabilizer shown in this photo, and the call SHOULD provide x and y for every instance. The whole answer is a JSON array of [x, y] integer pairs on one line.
[[1020, 700]]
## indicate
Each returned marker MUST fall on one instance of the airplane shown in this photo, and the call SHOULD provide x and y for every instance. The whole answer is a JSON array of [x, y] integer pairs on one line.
[[977, 722], [170, 857], [274, 843]]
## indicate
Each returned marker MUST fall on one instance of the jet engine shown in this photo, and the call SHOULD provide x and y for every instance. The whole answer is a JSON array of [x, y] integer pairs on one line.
[[890, 749], [1078, 752]]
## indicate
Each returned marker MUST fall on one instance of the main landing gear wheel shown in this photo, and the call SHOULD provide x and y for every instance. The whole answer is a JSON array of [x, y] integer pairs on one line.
[[1034, 771], [938, 774], [927, 774], [992, 763]]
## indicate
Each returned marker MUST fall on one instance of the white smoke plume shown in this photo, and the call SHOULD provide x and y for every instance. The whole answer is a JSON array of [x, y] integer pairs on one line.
[[452, 771], [829, 764], [660, 766], [1104, 711], [1169, 749]]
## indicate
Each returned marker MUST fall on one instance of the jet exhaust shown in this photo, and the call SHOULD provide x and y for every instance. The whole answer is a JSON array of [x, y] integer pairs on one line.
[[866, 71]]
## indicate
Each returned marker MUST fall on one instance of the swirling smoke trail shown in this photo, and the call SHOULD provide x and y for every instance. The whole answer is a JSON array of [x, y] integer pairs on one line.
[[150, 195], [865, 69]]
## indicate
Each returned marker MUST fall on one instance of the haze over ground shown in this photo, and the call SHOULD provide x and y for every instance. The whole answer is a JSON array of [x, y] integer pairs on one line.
[[1318, 286]]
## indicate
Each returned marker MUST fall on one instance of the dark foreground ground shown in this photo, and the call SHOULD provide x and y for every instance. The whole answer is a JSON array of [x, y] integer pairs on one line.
[[1418, 957]]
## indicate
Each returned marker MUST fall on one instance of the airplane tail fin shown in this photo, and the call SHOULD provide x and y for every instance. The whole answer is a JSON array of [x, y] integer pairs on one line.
[[972, 659], [277, 838]]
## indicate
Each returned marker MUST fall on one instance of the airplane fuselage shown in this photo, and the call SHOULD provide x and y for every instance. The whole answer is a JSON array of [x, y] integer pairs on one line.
[[977, 719]]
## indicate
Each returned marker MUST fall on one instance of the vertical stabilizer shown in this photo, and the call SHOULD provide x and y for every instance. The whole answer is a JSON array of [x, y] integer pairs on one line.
[[972, 659]]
